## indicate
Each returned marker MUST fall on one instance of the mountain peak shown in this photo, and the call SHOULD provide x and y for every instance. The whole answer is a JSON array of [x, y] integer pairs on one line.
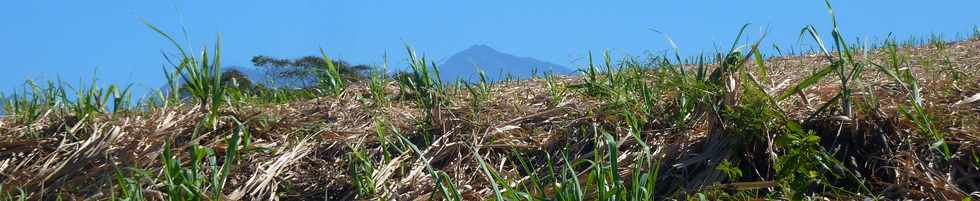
[[479, 48], [497, 65]]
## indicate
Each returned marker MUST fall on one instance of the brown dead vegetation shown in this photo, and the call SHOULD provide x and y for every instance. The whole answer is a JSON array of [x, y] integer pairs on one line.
[[298, 150]]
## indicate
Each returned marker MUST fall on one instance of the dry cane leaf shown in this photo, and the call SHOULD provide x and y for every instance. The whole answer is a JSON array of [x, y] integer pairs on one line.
[[967, 100]]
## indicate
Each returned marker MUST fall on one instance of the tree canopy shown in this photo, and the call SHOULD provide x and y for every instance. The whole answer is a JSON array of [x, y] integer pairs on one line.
[[303, 70]]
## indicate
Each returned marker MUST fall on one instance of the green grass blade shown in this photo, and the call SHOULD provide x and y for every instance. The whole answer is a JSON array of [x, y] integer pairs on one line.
[[807, 82]]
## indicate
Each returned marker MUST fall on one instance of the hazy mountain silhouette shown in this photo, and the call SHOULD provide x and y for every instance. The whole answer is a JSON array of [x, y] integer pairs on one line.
[[497, 65]]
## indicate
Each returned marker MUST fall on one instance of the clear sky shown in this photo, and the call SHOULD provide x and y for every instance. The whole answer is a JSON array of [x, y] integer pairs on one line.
[[44, 39]]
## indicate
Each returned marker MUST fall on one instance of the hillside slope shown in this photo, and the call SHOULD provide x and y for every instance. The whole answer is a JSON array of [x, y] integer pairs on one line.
[[731, 131]]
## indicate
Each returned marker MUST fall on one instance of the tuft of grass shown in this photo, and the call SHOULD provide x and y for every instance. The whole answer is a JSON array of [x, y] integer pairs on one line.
[[556, 90], [200, 75], [379, 79], [423, 84], [900, 71], [329, 79], [93, 100], [32, 102], [129, 185], [361, 170], [479, 94], [202, 178]]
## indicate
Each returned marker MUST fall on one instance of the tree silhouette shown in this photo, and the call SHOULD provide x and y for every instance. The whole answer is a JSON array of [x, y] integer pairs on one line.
[[303, 70], [232, 77]]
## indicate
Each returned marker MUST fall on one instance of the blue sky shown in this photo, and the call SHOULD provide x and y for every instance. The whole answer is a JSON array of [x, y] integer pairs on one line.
[[74, 40]]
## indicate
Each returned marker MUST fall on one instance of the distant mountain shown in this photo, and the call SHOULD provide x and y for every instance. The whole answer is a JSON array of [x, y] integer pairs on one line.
[[495, 64]]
